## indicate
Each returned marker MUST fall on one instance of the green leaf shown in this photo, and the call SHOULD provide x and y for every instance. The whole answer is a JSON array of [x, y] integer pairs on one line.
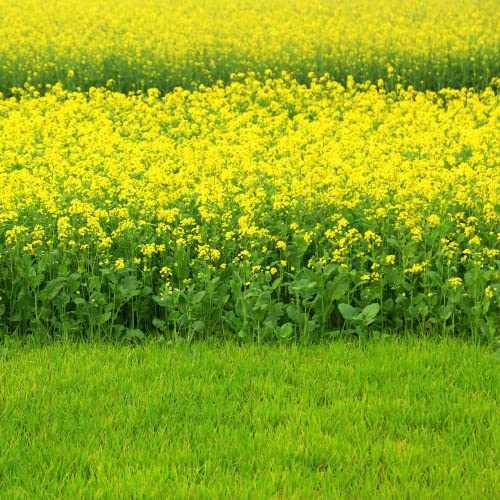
[[198, 326], [198, 297], [182, 299], [301, 244], [163, 300], [104, 318], [243, 308], [129, 287], [285, 330], [134, 334], [330, 268], [53, 287], [94, 284], [348, 312], [370, 312], [33, 278], [445, 312], [294, 314], [276, 283], [310, 326], [338, 288], [275, 311], [242, 334], [160, 324]]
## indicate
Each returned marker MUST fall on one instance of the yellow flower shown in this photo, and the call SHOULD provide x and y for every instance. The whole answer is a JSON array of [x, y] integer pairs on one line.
[[433, 220], [119, 264], [165, 271], [417, 268], [308, 238]]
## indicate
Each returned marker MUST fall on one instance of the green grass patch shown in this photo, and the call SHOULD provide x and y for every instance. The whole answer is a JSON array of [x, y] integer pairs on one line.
[[402, 419]]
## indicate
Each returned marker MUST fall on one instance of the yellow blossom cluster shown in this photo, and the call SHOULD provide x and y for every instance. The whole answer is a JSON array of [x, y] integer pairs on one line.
[[101, 167]]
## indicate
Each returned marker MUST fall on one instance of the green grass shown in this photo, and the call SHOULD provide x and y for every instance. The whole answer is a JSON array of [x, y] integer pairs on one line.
[[390, 419]]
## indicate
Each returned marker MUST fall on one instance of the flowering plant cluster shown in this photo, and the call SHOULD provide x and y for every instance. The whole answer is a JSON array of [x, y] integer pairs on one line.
[[254, 208]]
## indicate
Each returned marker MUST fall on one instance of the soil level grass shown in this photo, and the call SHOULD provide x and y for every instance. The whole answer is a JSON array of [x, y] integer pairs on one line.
[[391, 419]]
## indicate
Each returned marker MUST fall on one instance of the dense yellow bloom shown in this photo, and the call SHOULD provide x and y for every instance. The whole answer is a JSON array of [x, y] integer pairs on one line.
[[417, 268], [119, 264], [256, 183], [104, 179]]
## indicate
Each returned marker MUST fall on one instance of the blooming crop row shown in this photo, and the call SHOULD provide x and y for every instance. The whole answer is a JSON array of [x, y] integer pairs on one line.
[[253, 208], [131, 45]]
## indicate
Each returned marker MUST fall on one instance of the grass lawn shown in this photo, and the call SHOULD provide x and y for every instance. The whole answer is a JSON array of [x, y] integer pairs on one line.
[[389, 419]]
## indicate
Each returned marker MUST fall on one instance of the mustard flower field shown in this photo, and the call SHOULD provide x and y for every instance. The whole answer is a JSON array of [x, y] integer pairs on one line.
[[310, 170], [162, 44]]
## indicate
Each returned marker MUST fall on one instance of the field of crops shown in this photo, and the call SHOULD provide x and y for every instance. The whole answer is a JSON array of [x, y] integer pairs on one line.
[[133, 45], [226, 168]]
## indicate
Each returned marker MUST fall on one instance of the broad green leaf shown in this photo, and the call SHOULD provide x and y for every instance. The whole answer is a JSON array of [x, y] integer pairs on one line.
[[242, 334], [243, 308], [198, 326], [198, 297], [104, 318], [163, 300], [348, 312], [330, 268], [134, 334], [301, 244], [370, 312], [53, 287], [160, 324], [338, 287], [94, 284], [294, 314], [129, 287], [285, 330]]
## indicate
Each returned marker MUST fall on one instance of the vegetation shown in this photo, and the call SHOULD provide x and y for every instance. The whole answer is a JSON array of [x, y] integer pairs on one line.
[[264, 176], [253, 209], [387, 419], [130, 45]]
